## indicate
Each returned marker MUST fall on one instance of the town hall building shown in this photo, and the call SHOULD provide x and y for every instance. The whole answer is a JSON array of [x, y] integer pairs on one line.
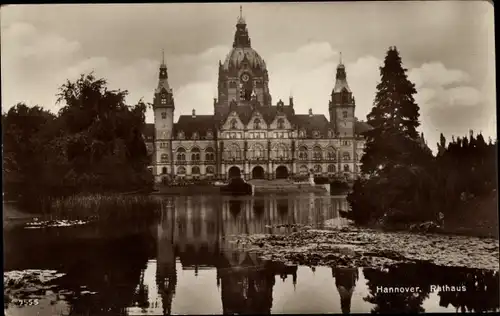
[[250, 136]]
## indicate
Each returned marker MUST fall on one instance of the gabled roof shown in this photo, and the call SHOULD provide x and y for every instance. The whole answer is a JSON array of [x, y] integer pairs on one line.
[[269, 113], [313, 122], [189, 124], [360, 127]]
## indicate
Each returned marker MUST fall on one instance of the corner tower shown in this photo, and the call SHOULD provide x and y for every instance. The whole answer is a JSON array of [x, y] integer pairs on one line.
[[342, 104], [163, 107], [243, 75]]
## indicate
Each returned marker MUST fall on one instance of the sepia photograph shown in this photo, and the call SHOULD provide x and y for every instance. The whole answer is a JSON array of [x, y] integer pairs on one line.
[[249, 158]]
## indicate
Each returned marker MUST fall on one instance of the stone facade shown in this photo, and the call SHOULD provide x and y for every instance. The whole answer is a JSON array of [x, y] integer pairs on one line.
[[250, 136]]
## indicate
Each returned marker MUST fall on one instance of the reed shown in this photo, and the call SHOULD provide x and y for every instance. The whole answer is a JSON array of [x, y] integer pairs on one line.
[[102, 206]]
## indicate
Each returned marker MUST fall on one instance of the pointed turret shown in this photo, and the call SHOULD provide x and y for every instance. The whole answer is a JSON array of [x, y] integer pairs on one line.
[[163, 85], [241, 38], [341, 106], [341, 78]]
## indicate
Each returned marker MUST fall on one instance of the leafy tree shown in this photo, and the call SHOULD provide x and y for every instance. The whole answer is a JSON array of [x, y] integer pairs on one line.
[[94, 143], [26, 133], [105, 145]]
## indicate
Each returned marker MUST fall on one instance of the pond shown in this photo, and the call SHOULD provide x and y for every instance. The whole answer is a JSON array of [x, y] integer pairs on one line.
[[183, 263]]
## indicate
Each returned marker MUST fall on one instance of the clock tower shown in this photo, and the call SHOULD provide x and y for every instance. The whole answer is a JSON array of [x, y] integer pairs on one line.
[[342, 105], [163, 107], [243, 76]]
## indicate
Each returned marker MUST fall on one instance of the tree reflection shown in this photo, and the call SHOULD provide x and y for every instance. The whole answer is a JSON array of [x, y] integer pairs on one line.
[[481, 294], [396, 277], [470, 290]]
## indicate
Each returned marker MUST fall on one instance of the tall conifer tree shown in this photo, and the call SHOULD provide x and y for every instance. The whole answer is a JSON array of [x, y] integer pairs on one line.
[[394, 118], [395, 153]]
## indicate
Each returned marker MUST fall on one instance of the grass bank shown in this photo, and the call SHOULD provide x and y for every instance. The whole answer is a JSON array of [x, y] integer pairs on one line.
[[101, 206]]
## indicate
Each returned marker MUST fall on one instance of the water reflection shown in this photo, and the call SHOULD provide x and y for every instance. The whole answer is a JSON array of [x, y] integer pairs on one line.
[[183, 264]]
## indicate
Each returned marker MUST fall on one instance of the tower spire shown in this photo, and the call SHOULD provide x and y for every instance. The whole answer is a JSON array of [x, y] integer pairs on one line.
[[340, 58], [163, 56], [241, 38], [241, 19]]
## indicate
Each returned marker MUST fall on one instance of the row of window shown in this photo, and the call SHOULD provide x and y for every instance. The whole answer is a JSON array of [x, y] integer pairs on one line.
[[257, 124], [257, 152], [303, 169], [194, 170]]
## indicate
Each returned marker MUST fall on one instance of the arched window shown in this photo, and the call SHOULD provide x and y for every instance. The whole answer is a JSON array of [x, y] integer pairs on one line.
[[164, 170], [209, 154], [181, 170], [195, 135], [302, 133], [233, 152], [281, 123], [281, 151], [303, 153], [164, 157], [181, 154], [195, 154], [331, 153], [331, 169], [234, 124], [258, 151], [344, 114], [195, 170], [346, 168], [318, 169], [356, 157], [317, 153], [346, 156], [256, 124], [163, 115], [210, 170]]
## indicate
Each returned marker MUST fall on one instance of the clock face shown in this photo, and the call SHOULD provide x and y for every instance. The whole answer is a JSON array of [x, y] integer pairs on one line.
[[163, 73], [245, 77]]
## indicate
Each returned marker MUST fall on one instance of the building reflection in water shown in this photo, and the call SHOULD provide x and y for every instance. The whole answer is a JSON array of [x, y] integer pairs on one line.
[[191, 238], [345, 281], [192, 231]]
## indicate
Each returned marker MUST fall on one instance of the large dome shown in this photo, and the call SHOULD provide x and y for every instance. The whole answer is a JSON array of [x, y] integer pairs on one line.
[[238, 54]]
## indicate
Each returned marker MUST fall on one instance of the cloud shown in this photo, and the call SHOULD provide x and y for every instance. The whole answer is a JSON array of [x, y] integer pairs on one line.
[[307, 72], [21, 41], [436, 74]]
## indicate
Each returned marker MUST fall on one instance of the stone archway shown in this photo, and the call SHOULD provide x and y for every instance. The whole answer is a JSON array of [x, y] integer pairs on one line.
[[281, 172], [258, 172], [234, 172]]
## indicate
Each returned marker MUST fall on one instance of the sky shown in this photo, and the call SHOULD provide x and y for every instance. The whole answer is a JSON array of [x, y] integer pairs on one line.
[[447, 47]]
